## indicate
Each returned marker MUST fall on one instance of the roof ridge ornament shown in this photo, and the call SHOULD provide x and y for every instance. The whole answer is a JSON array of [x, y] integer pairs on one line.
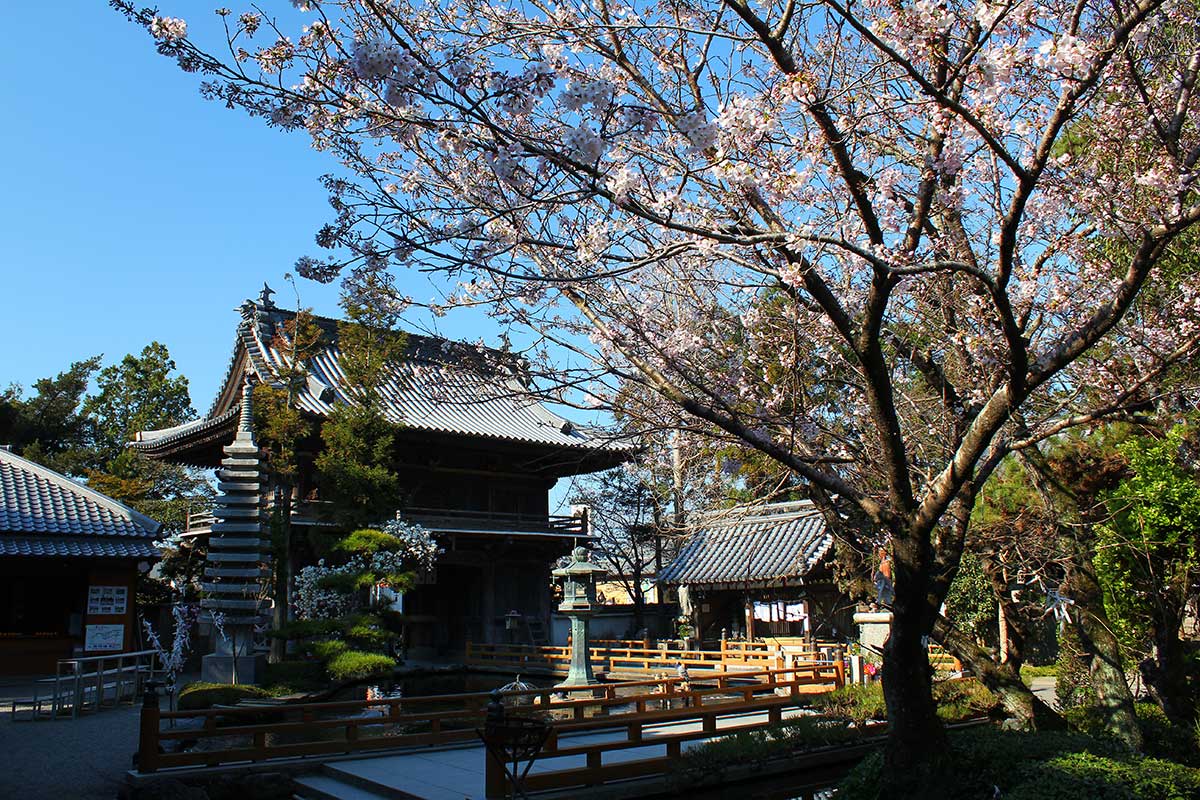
[[264, 297]]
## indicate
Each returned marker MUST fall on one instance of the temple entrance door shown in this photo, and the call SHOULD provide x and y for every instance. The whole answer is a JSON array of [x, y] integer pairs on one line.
[[460, 606]]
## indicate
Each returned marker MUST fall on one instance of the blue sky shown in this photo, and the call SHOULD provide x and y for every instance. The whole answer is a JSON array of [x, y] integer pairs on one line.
[[134, 210]]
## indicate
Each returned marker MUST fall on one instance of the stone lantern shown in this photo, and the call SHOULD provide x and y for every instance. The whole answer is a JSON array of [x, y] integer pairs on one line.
[[578, 579]]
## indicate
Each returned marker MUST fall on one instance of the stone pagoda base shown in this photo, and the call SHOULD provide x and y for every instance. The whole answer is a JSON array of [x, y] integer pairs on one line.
[[218, 668]]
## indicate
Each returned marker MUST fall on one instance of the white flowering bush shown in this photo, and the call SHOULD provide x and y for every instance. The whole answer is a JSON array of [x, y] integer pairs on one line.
[[389, 556], [417, 544]]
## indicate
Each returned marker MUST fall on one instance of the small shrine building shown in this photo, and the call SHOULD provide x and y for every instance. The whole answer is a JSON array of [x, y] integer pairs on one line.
[[760, 572], [69, 561], [476, 452]]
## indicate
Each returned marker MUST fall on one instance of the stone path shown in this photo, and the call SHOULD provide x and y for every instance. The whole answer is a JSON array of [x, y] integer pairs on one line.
[[459, 774]]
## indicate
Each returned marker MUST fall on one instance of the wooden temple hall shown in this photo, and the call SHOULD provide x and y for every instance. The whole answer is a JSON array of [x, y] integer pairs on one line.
[[476, 454], [760, 572]]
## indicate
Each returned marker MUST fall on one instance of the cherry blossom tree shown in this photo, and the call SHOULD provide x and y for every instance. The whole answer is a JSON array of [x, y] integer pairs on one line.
[[870, 240]]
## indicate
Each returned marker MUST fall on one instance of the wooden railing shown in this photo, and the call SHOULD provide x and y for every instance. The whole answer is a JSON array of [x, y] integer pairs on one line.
[[942, 660], [240, 734], [611, 659], [596, 772]]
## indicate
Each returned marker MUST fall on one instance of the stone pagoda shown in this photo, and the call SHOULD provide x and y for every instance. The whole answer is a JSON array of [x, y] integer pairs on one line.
[[238, 560]]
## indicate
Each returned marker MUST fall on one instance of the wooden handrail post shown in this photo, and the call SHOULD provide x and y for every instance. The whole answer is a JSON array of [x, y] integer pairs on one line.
[[148, 730], [495, 785]]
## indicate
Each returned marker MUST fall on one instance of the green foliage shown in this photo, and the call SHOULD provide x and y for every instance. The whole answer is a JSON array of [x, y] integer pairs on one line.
[[859, 704], [1029, 672], [982, 762], [1148, 553], [1074, 685], [355, 467], [135, 395], [775, 741], [1161, 737], [368, 540], [200, 695], [328, 649], [960, 699], [971, 601], [308, 628], [352, 665], [84, 435], [278, 426], [49, 427]]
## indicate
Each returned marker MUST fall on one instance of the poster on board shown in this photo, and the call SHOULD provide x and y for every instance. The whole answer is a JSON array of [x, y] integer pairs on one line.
[[107, 599], [103, 638]]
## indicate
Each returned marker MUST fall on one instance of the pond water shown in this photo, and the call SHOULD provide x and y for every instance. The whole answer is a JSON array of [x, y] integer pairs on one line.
[[441, 683], [809, 785]]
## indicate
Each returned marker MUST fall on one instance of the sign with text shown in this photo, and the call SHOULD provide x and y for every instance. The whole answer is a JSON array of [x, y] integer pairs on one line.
[[107, 599], [104, 637]]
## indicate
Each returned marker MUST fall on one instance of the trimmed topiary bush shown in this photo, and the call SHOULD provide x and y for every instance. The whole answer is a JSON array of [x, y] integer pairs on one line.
[[200, 695], [353, 665]]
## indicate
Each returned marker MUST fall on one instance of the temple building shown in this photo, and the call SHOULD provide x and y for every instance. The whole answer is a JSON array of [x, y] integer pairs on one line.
[[760, 572], [476, 457], [69, 561]]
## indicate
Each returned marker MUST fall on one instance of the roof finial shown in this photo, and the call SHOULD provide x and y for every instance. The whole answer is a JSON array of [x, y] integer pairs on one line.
[[264, 297]]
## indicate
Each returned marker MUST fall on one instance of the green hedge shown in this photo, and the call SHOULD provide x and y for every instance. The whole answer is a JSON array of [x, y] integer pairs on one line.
[[1036, 766], [200, 695]]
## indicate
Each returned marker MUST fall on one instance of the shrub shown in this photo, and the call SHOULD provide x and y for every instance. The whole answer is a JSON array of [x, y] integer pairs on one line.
[[964, 698], [328, 649], [1036, 766], [749, 747], [1162, 738], [859, 704], [200, 695], [353, 665]]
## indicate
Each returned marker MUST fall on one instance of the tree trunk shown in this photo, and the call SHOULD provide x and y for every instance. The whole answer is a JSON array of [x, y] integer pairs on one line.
[[1101, 647], [1166, 671], [1003, 679], [916, 744], [283, 571]]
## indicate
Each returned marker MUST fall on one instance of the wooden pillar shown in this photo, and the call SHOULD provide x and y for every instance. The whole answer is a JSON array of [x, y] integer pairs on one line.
[[489, 612], [749, 618]]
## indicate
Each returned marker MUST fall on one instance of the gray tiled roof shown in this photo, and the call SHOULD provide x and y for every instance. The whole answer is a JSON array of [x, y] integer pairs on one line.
[[769, 544], [438, 386], [44, 513]]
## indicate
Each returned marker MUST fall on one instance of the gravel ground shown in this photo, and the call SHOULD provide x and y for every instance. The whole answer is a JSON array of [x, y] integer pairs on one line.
[[65, 759]]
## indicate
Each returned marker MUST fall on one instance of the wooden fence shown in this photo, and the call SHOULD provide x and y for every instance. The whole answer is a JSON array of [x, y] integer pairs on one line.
[[263, 733]]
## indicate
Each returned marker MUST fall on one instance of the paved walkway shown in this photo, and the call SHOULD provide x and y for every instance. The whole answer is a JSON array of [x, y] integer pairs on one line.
[[65, 759], [1045, 689], [459, 774]]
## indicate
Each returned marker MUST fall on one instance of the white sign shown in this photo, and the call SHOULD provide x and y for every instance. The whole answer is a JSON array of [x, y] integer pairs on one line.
[[104, 637], [107, 599]]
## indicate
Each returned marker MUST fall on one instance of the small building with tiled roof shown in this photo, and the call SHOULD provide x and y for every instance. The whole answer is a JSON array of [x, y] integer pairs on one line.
[[69, 558], [476, 451], [761, 571]]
